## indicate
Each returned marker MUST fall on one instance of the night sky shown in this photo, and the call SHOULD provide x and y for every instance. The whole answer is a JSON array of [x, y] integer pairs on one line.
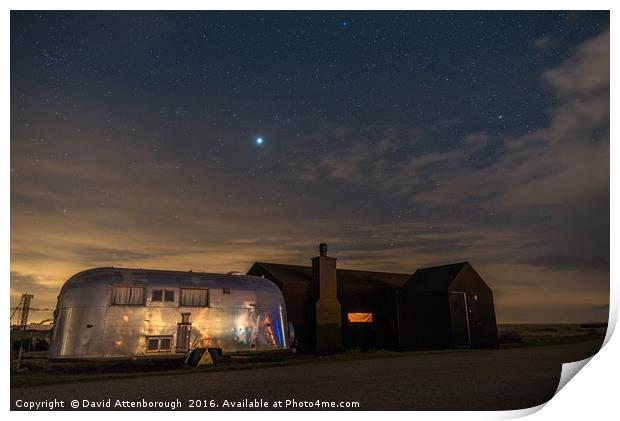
[[402, 140]]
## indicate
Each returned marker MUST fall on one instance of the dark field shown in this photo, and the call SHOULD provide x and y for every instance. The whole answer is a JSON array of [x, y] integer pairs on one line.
[[498, 379], [548, 334], [511, 336], [523, 372]]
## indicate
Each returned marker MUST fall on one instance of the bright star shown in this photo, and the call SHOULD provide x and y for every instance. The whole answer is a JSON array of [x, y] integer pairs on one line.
[[259, 140]]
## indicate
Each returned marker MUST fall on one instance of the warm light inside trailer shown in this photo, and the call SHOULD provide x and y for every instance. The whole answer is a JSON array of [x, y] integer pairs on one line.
[[359, 317]]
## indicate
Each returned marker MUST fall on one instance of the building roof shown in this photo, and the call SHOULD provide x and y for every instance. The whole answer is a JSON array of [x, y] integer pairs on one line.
[[346, 277], [436, 278]]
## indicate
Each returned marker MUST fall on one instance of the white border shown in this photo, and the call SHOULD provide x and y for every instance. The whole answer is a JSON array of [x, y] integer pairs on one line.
[[309, 5], [593, 393]]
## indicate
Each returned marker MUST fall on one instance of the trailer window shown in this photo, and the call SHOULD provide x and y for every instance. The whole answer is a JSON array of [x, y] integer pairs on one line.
[[158, 343], [165, 295], [164, 344], [122, 295], [195, 297], [152, 344], [359, 317]]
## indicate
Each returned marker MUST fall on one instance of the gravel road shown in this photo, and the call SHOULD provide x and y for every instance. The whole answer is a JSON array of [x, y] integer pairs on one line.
[[464, 380]]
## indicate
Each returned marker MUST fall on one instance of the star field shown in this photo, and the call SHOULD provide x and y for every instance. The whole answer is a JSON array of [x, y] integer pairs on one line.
[[210, 140]]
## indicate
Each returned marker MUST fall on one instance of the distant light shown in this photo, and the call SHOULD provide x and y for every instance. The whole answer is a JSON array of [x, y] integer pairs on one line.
[[259, 140], [345, 23]]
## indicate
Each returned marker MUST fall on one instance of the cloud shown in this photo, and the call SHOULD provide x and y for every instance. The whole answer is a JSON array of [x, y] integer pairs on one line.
[[524, 218], [477, 140], [346, 166], [586, 73], [537, 214], [563, 262], [544, 43], [45, 293], [567, 161], [563, 163]]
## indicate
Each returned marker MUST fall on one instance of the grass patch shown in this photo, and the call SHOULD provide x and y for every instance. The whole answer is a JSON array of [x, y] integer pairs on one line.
[[512, 336]]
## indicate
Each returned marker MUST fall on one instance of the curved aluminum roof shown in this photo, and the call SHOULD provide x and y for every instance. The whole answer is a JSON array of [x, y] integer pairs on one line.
[[151, 277], [91, 287]]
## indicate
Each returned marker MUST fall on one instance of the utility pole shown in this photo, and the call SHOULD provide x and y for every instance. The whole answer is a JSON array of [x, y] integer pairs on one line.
[[23, 309]]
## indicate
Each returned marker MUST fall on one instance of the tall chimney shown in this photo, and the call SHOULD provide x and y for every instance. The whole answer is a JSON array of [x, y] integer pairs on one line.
[[327, 307]]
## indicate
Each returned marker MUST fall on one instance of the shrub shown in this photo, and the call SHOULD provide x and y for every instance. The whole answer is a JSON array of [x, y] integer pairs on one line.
[[510, 337]]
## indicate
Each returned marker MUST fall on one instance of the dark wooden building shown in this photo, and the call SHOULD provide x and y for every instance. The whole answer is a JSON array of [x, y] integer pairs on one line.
[[447, 306], [332, 308]]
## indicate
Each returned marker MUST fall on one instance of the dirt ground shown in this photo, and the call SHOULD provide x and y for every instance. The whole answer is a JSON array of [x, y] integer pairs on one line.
[[497, 379]]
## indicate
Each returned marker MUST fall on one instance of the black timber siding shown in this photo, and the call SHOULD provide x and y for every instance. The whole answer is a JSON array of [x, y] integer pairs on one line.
[[430, 316], [415, 314], [381, 302], [482, 323], [424, 320]]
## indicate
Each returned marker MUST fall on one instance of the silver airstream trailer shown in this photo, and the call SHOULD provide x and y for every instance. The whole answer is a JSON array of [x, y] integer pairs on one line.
[[119, 313]]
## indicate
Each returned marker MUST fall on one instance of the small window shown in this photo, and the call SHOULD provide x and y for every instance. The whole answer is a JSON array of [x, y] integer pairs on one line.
[[195, 297], [164, 344], [360, 317], [165, 295], [226, 290], [128, 295], [158, 343], [153, 344]]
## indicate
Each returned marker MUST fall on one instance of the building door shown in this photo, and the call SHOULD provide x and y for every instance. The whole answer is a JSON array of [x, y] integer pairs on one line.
[[459, 315]]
